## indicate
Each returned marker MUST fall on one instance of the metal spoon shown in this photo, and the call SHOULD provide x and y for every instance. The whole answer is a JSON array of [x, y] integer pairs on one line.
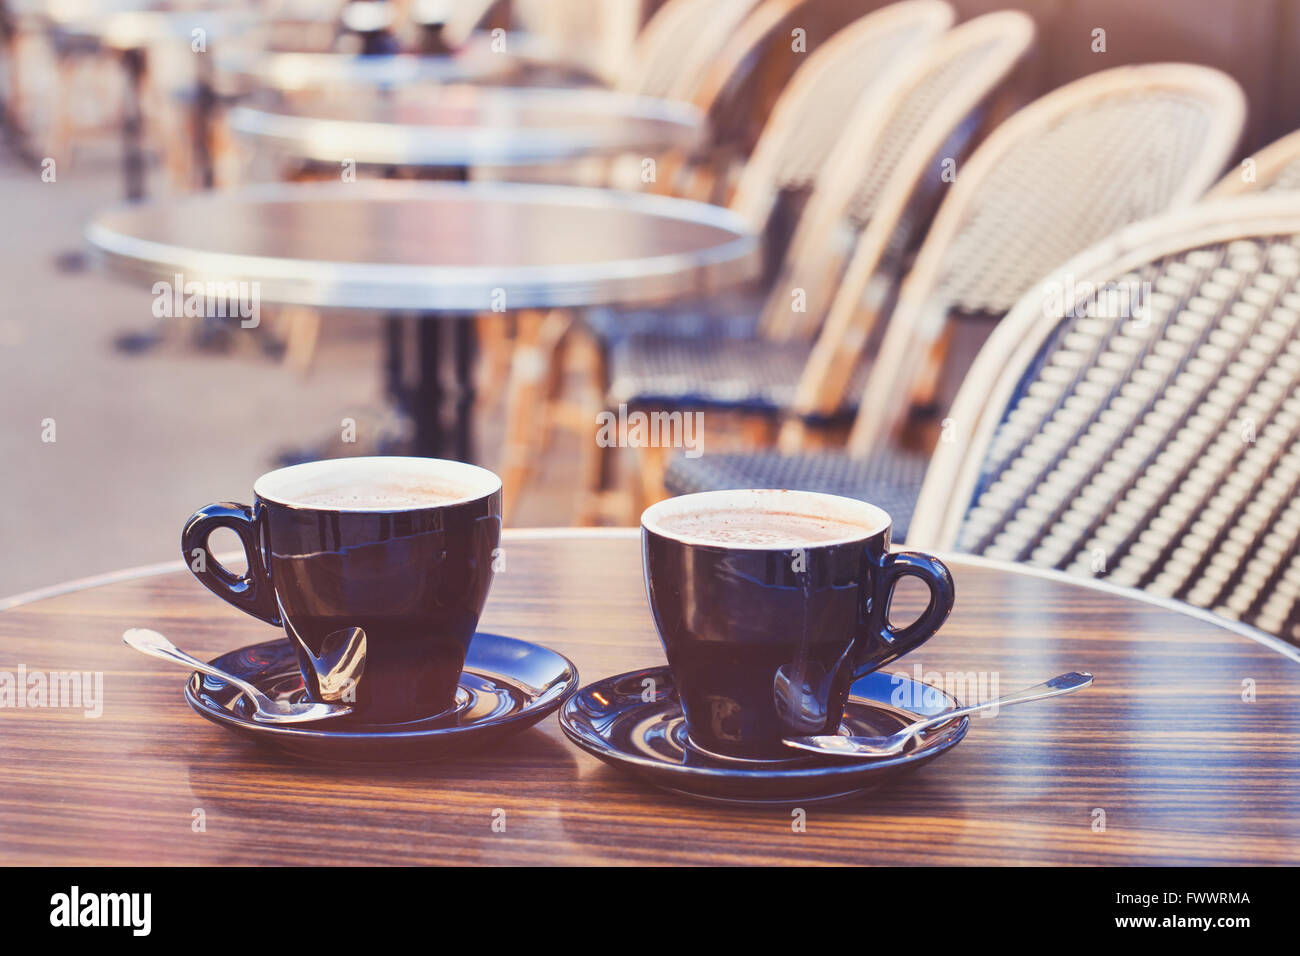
[[833, 744], [801, 690], [267, 711]]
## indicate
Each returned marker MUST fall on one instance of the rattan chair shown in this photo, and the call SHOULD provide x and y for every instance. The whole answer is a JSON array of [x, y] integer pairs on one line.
[[1275, 167], [739, 91], [1074, 166], [865, 58], [868, 56], [676, 50], [889, 153], [1146, 433], [1008, 210], [880, 177]]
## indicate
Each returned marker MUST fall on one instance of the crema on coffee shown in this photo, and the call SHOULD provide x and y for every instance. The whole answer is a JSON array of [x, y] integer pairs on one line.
[[760, 528], [395, 496]]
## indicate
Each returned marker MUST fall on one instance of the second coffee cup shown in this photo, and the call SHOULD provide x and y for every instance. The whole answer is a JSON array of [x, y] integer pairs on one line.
[[770, 604]]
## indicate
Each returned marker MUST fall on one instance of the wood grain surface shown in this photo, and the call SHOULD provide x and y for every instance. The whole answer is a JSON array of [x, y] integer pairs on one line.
[[1185, 770]]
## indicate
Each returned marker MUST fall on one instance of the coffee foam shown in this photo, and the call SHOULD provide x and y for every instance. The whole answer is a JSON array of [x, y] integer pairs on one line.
[[377, 484], [756, 528], [381, 497], [812, 518]]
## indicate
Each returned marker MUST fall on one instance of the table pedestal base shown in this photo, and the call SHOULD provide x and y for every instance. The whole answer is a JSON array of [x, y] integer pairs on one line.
[[418, 392], [133, 158], [426, 401]]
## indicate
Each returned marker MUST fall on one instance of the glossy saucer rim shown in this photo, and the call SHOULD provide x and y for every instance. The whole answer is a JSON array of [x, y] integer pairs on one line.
[[819, 779], [484, 659]]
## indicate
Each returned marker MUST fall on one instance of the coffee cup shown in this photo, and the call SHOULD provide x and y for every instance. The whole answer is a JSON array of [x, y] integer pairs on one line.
[[770, 604], [376, 568]]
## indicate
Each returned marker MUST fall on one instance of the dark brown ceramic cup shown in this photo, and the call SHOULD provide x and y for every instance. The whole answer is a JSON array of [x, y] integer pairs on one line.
[[764, 640], [401, 548]]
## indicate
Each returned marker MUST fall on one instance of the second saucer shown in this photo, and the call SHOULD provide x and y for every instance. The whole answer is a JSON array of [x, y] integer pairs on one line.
[[612, 720]]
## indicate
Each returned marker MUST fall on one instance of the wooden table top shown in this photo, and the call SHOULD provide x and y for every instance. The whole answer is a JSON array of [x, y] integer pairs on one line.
[[1184, 769]]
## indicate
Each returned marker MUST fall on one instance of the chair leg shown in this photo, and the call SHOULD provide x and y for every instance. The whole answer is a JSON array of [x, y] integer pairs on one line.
[[17, 105], [597, 463], [926, 389], [174, 133], [539, 334], [793, 437], [224, 152], [302, 335], [587, 355], [654, 463], [889, 387], [496, 344], [58, 138], [553, 406]]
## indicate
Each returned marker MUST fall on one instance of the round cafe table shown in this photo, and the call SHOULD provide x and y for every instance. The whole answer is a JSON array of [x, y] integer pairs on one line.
[[280, 69], [459, 127], [444, 252], [1163, 761], [293, 70], [445, 132]]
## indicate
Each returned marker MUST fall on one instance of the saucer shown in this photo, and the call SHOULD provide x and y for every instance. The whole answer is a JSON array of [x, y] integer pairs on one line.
[[507, 686], [610, 720]]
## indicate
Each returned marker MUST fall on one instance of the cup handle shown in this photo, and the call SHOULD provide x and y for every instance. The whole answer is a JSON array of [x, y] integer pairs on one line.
[[937, 578], [251, 591]]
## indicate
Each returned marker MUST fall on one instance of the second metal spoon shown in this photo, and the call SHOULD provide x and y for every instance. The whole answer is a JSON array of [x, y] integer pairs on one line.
[[835, 745], [267, 711]]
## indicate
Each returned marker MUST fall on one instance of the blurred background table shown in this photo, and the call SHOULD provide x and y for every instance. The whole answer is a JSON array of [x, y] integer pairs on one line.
[[443, 251], [291, 70], [459, 128], [128, 29], [1163, 761], [285, 62]]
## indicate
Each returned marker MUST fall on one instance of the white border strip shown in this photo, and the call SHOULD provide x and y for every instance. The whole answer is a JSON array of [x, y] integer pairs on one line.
[[631, 534]]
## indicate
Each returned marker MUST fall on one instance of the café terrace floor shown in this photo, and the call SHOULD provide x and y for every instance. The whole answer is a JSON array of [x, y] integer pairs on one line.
[[142, 440]]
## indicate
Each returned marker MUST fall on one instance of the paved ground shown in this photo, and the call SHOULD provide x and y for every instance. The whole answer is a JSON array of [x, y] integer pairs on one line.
[[141, 440]]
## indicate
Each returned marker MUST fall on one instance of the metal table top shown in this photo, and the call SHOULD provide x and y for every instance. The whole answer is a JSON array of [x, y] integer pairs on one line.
[[271, 66], [289, 70], [466, 126], [433, 247]]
